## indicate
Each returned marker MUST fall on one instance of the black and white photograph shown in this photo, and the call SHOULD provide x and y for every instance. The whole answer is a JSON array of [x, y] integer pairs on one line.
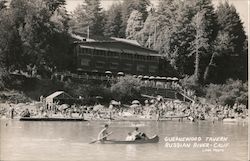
[[127, 80]]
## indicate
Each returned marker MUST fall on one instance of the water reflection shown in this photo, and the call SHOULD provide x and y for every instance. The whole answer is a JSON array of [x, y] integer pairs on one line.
[[69, 140], [130, 151]]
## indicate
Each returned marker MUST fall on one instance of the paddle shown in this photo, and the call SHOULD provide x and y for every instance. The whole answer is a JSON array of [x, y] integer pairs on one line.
[[100, 138]]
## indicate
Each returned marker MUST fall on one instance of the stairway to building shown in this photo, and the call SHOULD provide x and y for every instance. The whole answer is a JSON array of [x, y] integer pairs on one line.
[[166, 93]]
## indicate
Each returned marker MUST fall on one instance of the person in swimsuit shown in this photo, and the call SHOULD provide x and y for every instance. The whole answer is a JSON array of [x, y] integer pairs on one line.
[[102, 136]]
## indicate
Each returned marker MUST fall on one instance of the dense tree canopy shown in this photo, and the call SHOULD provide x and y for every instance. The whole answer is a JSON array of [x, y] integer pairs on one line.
[[88, 18], [128, 7], [134, 25], [114, 21], [197, 39], [230, 44], [29, 35]]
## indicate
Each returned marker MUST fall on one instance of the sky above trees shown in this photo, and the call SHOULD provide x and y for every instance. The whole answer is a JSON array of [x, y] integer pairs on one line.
[[241, 6]]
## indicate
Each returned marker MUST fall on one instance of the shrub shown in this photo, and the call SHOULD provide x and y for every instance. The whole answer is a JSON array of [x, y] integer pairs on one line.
[[4, 77], [229, 93], [126, 89], [88, 90], [14, 97], [189, 82]]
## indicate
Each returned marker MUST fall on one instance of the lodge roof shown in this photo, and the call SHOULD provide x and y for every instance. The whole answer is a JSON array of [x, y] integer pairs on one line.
[[57, 94], [118, 46]]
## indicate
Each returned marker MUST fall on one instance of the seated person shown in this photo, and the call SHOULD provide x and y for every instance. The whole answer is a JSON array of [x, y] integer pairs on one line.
[[130, 137], [143, 136], [136, 133], [139, 135]]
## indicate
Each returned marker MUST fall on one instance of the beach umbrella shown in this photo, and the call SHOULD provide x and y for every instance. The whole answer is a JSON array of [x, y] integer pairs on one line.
[[169, 78], [135, 102], [175, 79], [134, 105], [151, 77], [152, 101], [108, 72], [98, 107], [158, 78], [146, 77], [120, 73], [99, 97], [113, 102], [140, 76], [159, 98]]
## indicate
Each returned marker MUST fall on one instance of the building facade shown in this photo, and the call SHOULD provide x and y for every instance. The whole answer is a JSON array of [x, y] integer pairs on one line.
[[117, 56]]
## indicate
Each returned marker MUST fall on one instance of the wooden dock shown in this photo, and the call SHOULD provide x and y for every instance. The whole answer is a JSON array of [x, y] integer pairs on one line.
[[50, 119], [178, 117], [174, 117]]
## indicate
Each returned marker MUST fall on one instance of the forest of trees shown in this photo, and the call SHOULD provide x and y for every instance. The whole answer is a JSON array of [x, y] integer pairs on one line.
[[34, 34], [197, 39], [204, 43]]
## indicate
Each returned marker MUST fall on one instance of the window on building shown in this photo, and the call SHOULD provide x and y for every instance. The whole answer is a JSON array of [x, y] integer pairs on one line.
[[96, 52], [127, 67], [84, 50], [114, 66], [140, 68], [152, 69], [102, 53], [128, 56], [87, 51], [115, 55], [100, 64], [85, 62]]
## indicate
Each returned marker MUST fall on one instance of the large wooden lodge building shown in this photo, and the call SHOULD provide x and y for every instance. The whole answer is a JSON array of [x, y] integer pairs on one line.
[[119, 55]]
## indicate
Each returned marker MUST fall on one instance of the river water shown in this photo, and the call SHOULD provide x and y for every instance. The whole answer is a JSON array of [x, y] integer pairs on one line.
[[70, 141]]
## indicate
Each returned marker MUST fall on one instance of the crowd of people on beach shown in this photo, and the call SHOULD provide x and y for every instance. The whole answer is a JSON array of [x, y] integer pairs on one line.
[[155, 108]]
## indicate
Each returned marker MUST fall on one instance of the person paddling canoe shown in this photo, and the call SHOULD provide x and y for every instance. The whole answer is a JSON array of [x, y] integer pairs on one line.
[[102, 136], [139, 135]]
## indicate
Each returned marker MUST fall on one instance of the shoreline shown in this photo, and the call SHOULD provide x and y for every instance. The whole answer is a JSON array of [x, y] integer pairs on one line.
[[227, 120], [105, 115]]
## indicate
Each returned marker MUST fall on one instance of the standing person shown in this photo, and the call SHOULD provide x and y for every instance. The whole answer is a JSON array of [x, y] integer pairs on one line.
[[81, 111], [41, 98], [102, 136], [110, 110], [12, 112]]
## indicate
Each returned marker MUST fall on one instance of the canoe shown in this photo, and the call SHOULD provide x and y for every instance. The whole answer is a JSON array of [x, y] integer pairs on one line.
[[154, 139], [50, 119]]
